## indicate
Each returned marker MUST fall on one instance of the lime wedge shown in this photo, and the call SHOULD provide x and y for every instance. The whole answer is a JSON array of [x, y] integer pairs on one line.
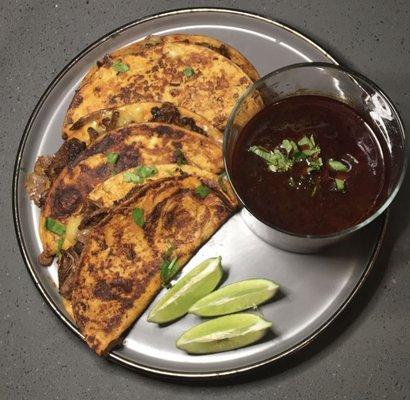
[[189, 289], [235, 297], [224, 333]]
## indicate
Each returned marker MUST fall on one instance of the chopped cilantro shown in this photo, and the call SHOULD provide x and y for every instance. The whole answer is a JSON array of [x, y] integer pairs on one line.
[[300, 155], [145, 171], [202, 191], [311, 152], [306, 142], [131, 177], [280, 162], [337, 166], [315, 164], [138, 216], [340, 184], [180, 157], [119, 67], [139, 174], [287, 145], [309, 148], [285, 155], [54, 226], [60, 243], [168, 269], [112, 158], [277, 161], [189, 71], [263, 153]]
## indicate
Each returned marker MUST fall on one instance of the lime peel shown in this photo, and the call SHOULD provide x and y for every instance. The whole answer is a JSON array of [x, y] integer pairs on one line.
[[224, 333], [235, 297], [196, 284]]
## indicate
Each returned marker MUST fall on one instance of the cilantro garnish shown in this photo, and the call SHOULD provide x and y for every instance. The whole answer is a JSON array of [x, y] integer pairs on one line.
[[337, 165], [138, 216], [315, 164], [112, 158], [54, 226], [145, 171], [189, 71], [132, 177], [139, 174], [283, 157], [305, 152], [180, 157], [202, 191], [120, 66], [276, 160], [169, 266], [340, 185], [60, 243]]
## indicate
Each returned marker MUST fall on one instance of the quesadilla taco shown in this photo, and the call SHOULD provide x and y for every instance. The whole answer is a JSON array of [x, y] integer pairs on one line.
[[95, 125], [123, 260], [132, 146], [187, 75]]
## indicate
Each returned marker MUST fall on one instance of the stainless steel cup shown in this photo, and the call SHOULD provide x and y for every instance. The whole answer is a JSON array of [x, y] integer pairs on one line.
[[340, 84]]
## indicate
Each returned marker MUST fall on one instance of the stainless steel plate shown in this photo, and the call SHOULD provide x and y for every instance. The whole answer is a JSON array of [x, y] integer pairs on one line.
[[315, 288]]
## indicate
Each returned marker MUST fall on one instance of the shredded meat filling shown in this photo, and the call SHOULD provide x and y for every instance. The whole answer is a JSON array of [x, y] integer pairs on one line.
[[69, 259], [93, 214], [45, 259], [170, 114], [68, 264], [47, 168]]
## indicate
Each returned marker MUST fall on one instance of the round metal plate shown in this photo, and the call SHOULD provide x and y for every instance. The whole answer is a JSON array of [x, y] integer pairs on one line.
[[314, 288]]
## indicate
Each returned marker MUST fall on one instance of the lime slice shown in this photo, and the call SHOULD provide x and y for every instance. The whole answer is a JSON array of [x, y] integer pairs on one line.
[[235, 297], [224, 333], [189, 289]]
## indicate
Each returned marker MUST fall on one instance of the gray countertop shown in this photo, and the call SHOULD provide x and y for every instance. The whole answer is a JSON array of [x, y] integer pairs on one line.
[[364, 355]]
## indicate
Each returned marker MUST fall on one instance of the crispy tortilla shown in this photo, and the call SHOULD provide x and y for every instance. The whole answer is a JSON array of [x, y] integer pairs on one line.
[[187, 75], [135, 145], [110, 193], [220, 47], [199, 40], [115, 189], [95, 125], [120, 267]]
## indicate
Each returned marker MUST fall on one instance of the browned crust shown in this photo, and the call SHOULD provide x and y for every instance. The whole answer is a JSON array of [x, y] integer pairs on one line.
[[67, 195], [211, 43], [119, 273], [156, 73], [93, 126], [140, 144]]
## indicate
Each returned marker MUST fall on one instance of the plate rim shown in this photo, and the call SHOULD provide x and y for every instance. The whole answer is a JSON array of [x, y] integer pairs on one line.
[[113, 356]]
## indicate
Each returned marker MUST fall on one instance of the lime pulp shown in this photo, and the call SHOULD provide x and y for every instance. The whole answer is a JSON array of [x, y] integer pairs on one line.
[[196, 284]]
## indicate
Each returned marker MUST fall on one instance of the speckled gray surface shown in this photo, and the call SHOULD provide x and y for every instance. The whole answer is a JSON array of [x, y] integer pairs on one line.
[[364, 355]]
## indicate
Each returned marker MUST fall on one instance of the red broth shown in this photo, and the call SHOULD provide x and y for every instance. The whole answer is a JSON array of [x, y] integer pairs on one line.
[[302, 202]]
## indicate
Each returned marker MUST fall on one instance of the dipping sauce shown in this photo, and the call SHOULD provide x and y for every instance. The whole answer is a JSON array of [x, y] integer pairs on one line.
[[309, 165]]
